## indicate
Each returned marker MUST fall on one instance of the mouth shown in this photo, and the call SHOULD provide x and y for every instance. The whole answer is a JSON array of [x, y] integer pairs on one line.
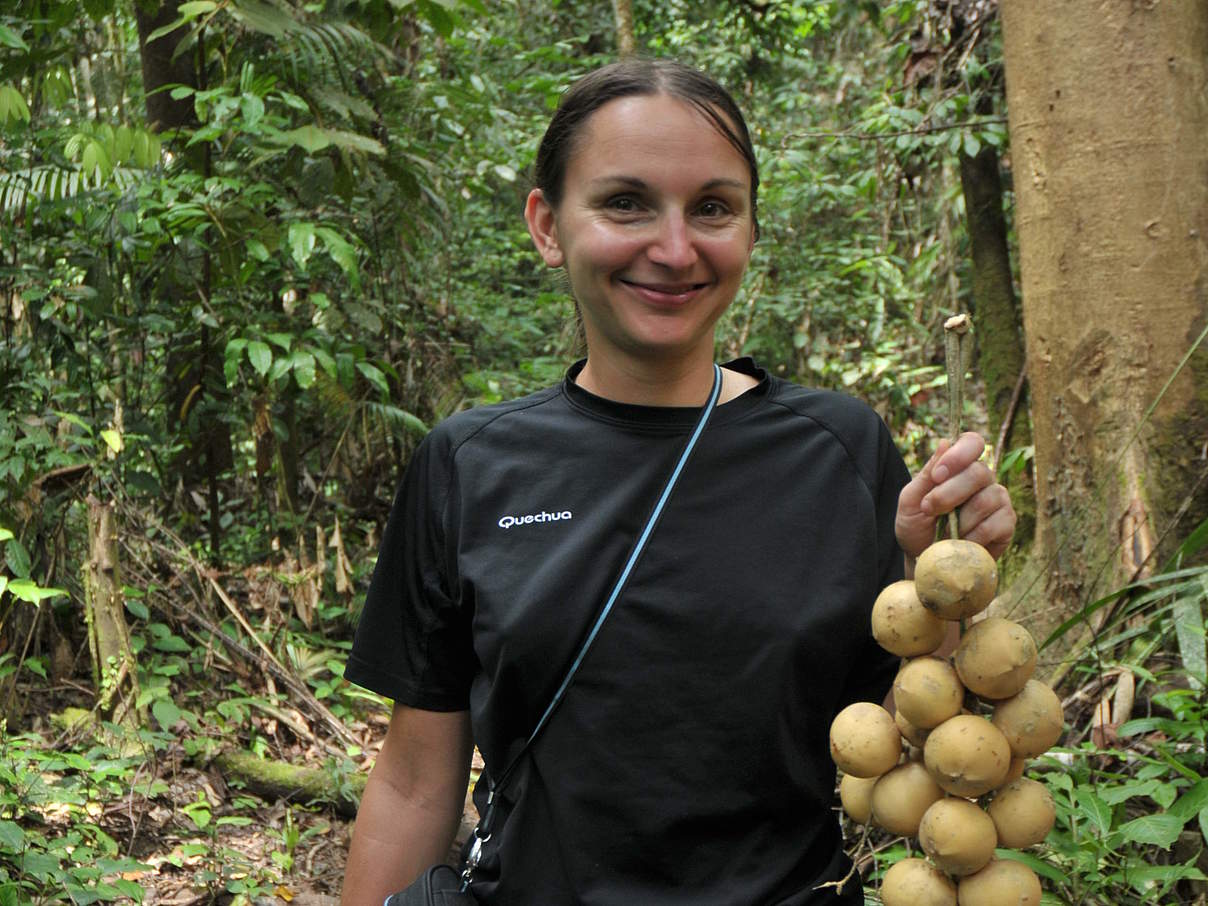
[[665, 293]]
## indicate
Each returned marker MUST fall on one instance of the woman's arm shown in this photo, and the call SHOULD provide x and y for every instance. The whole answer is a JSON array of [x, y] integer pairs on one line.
[[412, 803]]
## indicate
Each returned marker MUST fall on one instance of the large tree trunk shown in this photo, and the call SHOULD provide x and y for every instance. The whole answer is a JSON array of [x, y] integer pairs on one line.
[[1109, 144]]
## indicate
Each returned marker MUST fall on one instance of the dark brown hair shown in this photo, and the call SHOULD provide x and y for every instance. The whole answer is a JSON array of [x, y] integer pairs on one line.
[[638, 77]]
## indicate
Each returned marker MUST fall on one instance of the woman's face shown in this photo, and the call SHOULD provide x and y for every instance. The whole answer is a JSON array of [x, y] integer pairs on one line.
[[655, 228]]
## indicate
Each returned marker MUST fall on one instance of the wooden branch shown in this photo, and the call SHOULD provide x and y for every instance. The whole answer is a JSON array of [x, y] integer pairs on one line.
[[1009, 416], [880, 136]]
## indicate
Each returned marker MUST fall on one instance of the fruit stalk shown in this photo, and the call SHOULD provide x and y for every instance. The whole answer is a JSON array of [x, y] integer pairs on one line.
[[958, 345]]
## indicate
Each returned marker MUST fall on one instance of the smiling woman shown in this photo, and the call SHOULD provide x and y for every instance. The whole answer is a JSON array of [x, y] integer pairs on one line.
[[688, 761], [655, 227]]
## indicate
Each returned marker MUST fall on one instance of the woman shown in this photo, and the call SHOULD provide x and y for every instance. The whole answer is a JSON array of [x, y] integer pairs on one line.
[[688, 762]]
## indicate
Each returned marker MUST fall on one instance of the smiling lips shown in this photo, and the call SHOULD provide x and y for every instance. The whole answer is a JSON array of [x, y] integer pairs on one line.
[[665, 294]]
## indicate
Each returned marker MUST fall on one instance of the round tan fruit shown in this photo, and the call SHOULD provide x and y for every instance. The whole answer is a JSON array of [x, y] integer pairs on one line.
[[902, 625], [1003, 882], [967, 755], [958, 836], [864, 740], [916, 736], [1015, 771], [855, 794], [1023, 813], [916, 882], [1031, 719], [901, 796], [995, 658], [927, 691], [955, 579]]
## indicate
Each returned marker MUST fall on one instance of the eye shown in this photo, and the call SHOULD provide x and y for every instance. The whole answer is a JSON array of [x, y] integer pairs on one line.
[[712, 209], [624, 204]]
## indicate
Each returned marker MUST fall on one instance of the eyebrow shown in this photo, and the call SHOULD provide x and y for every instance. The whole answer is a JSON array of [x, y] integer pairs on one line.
[[633, 182]]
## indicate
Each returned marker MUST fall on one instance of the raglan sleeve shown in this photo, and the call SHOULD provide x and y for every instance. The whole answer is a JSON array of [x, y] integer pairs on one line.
[[413, 642], [891, 476]]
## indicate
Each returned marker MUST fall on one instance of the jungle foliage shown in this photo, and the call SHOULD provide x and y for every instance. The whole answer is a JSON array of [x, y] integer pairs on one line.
[[251, 249]]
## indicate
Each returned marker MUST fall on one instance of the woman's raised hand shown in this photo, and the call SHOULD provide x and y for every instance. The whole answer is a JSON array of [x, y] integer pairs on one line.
[[955, 477]]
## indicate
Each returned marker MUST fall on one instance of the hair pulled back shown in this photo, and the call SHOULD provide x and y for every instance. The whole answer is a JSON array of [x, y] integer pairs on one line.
[[638, 77]]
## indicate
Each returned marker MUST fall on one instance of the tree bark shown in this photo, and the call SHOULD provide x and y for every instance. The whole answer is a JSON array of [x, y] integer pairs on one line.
[[114, 672], [626, 44], [1109, 139], [163, 66], [996, 312]]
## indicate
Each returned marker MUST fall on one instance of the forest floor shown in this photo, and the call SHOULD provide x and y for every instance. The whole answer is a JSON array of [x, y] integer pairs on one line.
[[198, 833]]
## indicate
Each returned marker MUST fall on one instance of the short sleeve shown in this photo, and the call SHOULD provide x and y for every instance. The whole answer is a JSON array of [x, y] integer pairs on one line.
[[413, 642], [878, 666]]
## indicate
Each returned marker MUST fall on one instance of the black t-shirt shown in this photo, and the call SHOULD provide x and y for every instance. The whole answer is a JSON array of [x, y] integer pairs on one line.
[[689, 760]]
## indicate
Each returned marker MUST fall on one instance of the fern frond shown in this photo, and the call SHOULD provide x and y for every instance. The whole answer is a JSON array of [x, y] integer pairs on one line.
[[50, 183]]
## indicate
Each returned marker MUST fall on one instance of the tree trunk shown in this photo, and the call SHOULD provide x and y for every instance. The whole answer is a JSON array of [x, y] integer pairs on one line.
[[626, 45], [1000, 352], [114, 672], [162, 66], [1109, 141]]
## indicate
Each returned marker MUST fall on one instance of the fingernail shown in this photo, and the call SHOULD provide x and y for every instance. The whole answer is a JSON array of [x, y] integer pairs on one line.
[[939, 474]]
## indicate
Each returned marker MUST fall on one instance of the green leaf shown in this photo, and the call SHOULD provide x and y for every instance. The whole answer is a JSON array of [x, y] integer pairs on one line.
[[1154, 830], [39, 865], [29, 591], [35, 664], [260, 356], [505, 172], [195, 8], [113, 439], [1188, 617], [313, 138], [263, 17], [17, 558], [1191, 802], [12, 104], [341, 250], [166, 712], [10, 38], [304, 368], [374, 376], [6, 534], [1203, 816], [12, 838], [1094, 809], [138, 609], [301, 242], [172, 644]]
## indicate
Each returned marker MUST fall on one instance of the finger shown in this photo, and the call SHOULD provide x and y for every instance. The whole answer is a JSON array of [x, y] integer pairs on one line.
[[994, 533], [984, 505], [958, 456], [958, 489], [922, 483]]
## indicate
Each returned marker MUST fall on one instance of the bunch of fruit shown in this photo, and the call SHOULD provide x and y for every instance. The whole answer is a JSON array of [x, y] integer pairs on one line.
[[961, 735]]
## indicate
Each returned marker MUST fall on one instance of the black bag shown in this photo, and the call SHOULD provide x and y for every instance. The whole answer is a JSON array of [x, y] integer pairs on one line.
[[443, 885], [440, 885]]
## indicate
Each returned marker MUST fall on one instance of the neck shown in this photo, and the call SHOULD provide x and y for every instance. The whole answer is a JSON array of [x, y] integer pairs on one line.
[[675, 383]]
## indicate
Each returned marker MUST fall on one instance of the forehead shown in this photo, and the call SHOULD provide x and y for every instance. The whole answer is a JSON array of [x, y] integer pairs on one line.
[[659, 133]]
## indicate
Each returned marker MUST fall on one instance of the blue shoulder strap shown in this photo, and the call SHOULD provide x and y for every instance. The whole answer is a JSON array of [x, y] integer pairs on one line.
[[483, 832]]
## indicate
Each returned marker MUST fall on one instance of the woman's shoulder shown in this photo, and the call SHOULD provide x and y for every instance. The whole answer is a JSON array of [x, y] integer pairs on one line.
[[829, 406], [460, 427]]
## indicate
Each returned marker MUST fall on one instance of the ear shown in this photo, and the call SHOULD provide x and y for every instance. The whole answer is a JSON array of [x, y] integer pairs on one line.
[[542, 227]]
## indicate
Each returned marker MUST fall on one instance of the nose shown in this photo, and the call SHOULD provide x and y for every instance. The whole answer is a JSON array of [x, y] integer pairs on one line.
[[672, 246]]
